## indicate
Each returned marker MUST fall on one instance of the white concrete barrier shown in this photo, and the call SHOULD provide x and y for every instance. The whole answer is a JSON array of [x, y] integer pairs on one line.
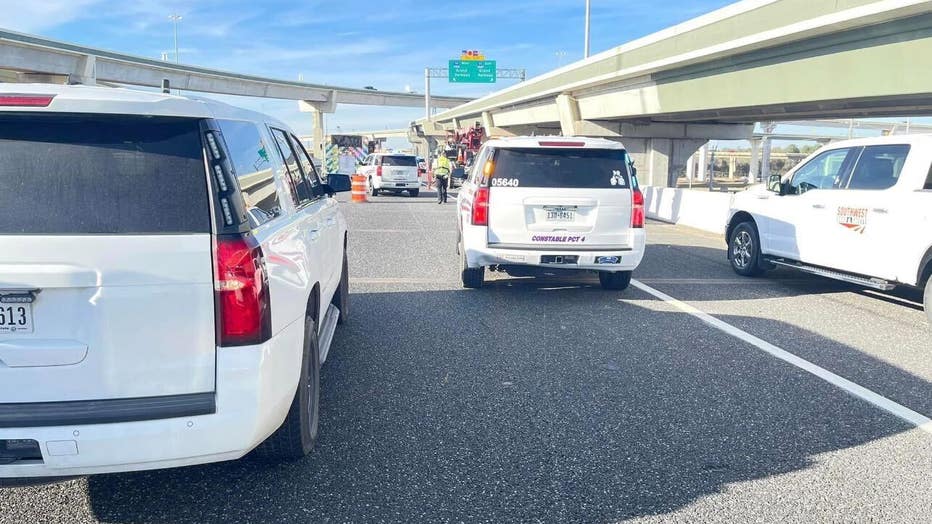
[[694, 208]]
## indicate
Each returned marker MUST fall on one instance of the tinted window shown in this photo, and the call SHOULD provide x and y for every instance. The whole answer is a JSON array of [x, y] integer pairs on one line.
[[399, 160], [310, 172], [879, 167], [250, 159], [571, 168], [825, 171], [89, 174], [302, 188]]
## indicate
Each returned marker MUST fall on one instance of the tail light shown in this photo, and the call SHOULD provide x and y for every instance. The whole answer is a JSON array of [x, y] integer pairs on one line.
[[637, 209], [242, 292], [378, 171], [26, 100], [480, 207]]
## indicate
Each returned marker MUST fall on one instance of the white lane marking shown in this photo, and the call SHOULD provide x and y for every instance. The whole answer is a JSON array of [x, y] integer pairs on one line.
[[920, 421], [720, 281], [397, 281]]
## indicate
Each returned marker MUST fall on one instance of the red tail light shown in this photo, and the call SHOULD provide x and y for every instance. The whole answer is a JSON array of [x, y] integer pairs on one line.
[[242, 292], [637, 209], [26, 100], [378, 171], [480, 207], [561, 144]]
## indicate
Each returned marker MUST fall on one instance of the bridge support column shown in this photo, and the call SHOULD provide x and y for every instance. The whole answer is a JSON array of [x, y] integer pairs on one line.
[[765, 159], [568, 109], [317, 110], [754, 174], [660, 161], [703, 162]]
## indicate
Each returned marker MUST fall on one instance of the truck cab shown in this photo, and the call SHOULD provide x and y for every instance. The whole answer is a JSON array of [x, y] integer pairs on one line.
[[858, 210]]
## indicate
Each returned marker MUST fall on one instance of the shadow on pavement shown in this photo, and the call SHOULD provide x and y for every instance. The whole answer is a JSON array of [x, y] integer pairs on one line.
[[582, 408]]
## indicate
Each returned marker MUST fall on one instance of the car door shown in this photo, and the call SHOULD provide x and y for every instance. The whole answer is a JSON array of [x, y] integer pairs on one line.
[[793, 223], [331, 229], [863, 219], [308, 210]]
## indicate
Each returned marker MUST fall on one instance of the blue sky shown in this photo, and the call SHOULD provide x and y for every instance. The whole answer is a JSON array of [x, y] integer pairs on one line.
[[351, 42]]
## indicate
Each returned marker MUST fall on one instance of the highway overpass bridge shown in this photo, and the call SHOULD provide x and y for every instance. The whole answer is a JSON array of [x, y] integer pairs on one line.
[[712, 77]]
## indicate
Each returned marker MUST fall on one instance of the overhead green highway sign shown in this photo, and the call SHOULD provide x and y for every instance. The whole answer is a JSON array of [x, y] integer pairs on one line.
[[472, 71]]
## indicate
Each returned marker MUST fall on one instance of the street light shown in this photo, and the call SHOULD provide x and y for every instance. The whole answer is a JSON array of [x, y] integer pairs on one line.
[[586, 47], [175, 18]]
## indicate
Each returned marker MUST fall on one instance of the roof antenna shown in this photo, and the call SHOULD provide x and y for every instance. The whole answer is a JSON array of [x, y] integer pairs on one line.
[[166, 87]]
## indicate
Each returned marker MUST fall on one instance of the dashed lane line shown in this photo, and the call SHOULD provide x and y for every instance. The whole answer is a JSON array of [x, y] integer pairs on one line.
[[916, 419]]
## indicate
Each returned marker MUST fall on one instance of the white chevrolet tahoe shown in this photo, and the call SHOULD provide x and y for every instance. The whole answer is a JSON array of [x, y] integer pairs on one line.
[[171, 275], [553, 202], [391, 173], [858, 211]]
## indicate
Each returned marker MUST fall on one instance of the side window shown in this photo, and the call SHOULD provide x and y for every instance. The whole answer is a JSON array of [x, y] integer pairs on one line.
[[253, 171], [302, 188], [307, 165], [826, 171], [879, 167]]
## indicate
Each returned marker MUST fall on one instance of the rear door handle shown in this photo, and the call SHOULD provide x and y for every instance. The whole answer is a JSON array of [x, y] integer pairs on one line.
[[818, 206]]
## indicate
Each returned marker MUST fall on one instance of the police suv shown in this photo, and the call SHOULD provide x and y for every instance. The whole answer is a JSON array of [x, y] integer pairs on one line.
[[553, 202], [172, 273], [858, 211]]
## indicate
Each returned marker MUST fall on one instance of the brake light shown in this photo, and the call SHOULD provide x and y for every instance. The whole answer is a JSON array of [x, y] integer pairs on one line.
[[242, 292], [561, 144], [637, 209], [26, 100], [378, 171], [480, 207]]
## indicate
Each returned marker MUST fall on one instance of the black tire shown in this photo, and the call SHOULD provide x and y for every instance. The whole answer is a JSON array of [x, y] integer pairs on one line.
[[372, 190], [297, 435], [341, 298], [744, 250], [473, 277], [928, 299], [618, 281], [414, 192]]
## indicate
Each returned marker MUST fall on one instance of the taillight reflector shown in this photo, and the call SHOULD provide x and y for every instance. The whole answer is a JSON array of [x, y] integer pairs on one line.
[[480, 207], [26, 100], [242, 292], [378, 171], [561, 144], [637, 209]]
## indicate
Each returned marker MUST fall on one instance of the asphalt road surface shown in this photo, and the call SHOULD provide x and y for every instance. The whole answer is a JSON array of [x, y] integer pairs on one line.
[[551, 400]]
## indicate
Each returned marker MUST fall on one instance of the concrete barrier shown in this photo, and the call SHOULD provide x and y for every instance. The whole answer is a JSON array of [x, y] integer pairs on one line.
[[703, 210]]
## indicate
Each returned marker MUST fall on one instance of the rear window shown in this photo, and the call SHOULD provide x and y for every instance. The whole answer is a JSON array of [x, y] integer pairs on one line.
[[399, 161], [561, 168], [96, 174]]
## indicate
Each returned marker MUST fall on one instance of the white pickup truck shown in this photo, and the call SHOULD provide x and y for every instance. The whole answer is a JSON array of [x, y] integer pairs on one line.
[[858, 211]]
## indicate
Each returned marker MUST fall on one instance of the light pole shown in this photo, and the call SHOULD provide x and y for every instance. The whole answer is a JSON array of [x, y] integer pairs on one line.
[[588, 11], [175, 18]]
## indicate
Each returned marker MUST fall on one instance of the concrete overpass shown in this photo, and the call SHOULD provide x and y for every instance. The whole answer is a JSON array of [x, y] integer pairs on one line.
[[30, 58], [714, 76]]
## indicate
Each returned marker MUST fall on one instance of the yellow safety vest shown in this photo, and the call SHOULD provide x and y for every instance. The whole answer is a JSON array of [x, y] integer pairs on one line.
[[443, 166]]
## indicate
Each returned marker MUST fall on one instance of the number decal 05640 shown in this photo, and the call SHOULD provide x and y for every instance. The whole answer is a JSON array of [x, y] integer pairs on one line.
[[505, 182]]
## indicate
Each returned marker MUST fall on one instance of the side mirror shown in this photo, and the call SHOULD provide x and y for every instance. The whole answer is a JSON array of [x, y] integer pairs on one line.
[[775, 184], [337, 183]]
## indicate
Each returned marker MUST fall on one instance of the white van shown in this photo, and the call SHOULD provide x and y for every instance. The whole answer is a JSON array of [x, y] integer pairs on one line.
[[554, 202], [171, 275]]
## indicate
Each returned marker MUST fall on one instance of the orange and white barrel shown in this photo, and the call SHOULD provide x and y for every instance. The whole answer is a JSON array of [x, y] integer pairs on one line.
[[359, 188]]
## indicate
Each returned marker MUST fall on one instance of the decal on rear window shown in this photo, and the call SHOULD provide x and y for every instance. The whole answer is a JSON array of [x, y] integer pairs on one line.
[[505, 182]]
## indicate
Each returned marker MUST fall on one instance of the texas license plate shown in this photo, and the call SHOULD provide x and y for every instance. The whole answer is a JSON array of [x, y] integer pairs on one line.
[[15, 318], [561, 214], [607, 260]]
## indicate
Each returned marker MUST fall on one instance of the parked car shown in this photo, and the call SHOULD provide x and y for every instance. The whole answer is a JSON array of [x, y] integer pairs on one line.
[[553, 202], [391, 173], [173, 271], [858, 211]]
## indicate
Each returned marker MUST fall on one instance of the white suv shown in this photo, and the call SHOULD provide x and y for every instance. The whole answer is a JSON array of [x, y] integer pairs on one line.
[[554, 202], [171, 278], [391, 173]]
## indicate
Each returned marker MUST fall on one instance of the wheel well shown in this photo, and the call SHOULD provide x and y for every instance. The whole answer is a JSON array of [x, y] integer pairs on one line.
[[313, 304], [925, 268], [740, 216]]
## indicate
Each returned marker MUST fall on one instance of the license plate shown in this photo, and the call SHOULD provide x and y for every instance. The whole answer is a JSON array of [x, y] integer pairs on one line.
[[15, 318], [607, 260], [561, 214], [400, 185]]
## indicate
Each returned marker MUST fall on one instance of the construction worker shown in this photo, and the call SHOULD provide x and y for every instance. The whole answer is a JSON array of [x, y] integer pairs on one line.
[[442, 169]]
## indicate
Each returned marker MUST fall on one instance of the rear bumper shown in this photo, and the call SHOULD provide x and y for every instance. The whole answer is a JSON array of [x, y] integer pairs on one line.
[[631, 256], [414, 184], [254, 392]]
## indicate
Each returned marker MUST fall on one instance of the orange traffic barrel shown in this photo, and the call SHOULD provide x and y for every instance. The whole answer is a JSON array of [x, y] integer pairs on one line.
[[359, 188]]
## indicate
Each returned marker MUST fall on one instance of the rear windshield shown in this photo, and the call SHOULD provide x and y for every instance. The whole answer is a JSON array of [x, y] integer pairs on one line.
[[401, 161], [563, 168], [100, 174]]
